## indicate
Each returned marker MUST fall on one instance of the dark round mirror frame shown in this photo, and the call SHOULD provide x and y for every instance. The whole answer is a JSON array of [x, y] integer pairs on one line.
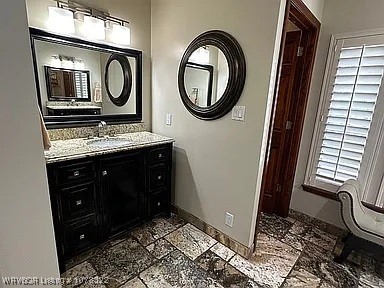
[[122, 99], [236, 78]]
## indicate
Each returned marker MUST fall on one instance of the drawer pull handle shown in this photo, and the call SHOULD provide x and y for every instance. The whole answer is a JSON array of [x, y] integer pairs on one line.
[[78, 202], [76, 173], [82, 236], [159, 177], [159, 204], [104, 173], [160, 155]]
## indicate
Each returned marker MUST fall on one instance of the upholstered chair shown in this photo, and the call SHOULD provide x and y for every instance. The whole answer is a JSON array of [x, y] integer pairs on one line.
[[366, 226]]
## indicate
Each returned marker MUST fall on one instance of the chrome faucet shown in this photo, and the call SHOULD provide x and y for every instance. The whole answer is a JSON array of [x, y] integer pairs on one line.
[[101, 129]]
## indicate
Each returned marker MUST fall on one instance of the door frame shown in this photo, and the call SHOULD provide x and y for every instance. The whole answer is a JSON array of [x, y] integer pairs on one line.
[[297, 12]]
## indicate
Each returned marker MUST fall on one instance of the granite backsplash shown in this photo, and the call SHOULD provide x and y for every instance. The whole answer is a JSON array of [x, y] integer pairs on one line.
[[83, 132]]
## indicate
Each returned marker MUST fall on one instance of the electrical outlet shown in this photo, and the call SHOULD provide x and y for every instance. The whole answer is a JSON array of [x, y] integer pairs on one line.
[[168, 119], [229, 219]]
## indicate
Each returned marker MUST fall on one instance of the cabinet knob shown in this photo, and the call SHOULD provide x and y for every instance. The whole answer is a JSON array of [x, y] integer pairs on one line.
[[76, 173], [159, 204], [104, 173], [82, 236], [159, 177], [160, 155], [78, 202]]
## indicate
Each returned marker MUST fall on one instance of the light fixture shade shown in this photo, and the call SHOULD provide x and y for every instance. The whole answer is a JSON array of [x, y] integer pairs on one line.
[[61, 20], [55, 61], [200, 56], [93, 28], [121, 34]]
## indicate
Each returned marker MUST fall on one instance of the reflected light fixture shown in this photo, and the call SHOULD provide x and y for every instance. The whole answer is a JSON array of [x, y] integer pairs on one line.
[[200, 55], [93, 28], [55, 61], [121, 34], [61, 20]]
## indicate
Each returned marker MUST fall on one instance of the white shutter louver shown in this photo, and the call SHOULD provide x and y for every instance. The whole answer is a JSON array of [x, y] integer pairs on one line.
[[355, 91], [81, 83]]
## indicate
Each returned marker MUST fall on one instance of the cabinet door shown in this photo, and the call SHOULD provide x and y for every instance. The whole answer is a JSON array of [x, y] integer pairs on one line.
[[122, 191]]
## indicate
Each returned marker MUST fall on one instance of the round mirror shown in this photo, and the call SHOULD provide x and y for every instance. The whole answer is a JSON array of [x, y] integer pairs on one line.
[[115, 78], [211, 75], [118, 79]]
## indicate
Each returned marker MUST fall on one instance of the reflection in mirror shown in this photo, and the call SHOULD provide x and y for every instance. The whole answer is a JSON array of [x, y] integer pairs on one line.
[[66, 84], [206, 76], [115, 78], [75, 82], [198, 83]]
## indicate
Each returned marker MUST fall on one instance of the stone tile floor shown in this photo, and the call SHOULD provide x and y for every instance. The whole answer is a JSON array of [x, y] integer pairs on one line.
[[293, 252]]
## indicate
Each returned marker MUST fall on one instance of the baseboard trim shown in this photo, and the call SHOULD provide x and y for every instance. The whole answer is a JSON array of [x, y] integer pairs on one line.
[[224, 239]]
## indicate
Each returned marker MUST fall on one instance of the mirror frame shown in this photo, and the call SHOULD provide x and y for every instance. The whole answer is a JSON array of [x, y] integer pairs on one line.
[[236, 78], [53, 122], [123, 98], [48, 82]]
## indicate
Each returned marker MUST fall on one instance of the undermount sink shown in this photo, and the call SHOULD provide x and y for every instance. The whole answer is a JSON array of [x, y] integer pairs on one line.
[[109, 142]]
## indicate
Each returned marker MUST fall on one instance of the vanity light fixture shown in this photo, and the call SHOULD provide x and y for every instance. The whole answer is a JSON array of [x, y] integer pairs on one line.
[[61, 20], [121, 34], [67, 62], [93, 28], [94, 22], [201, 55], [79, 64], [55, 61]]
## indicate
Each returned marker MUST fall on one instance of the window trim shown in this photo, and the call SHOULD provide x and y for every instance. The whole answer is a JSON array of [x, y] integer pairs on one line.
[[378, 123]]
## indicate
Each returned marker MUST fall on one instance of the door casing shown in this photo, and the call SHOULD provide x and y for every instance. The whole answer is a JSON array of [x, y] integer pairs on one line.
[[302, 17]]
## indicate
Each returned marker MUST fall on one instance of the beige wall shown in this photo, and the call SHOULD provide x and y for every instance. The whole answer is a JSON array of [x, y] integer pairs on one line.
[[27, 245], [338, 17], [217, 162], [137, 12], [316, 7]]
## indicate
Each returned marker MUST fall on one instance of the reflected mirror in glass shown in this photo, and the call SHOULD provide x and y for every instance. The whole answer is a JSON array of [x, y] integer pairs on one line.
[[206, 76], [115, 78], [65, 84], [72, 81]]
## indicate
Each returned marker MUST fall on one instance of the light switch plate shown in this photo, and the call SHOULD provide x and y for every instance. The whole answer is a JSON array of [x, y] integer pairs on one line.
[[168, 119], [238, 113], [229, 219]]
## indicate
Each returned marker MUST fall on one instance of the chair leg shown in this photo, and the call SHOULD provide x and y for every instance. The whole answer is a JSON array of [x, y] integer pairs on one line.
[[350, 244]]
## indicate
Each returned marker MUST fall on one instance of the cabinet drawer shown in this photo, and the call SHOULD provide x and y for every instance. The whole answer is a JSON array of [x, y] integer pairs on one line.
[[158, 176], [78, 201], [80, 237], [158, 155], [158, 203], [75, 172]]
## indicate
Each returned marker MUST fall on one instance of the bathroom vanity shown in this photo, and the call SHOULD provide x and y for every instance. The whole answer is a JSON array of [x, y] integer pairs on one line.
[[102, 187]]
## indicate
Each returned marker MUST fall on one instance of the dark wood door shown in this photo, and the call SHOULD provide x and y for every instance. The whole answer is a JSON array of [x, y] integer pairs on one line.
[[122, 191], [282, 125], [69, 84]]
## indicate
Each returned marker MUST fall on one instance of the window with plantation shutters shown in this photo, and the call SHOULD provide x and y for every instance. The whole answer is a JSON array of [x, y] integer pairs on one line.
[[348, 125], [81, 84]]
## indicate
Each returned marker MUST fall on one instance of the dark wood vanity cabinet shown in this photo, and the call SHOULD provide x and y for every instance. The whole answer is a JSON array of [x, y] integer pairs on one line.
[[122, 188], [96, 198]]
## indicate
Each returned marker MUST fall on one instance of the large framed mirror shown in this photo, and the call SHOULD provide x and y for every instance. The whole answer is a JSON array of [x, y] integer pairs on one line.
[[80, 83], [211, 75]]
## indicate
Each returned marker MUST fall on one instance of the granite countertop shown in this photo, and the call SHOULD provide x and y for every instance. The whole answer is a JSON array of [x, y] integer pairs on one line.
[[63, 150], [73, 107]]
